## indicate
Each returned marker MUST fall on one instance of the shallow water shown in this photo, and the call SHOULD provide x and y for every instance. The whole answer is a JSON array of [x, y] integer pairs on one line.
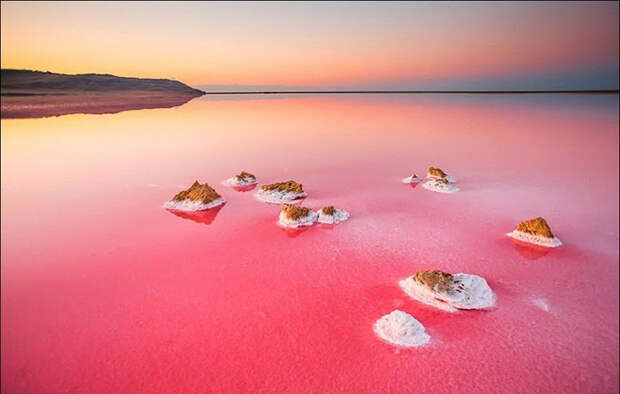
[[105, 291]]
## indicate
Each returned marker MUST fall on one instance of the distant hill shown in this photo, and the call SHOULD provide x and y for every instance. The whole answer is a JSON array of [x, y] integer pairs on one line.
[[34, 94], [26, 82]]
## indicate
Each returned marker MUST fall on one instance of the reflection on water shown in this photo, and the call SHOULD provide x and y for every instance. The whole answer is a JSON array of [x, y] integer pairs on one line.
[[206, 216], [244, 188], [528, 250], [42, 106], [294, 232]]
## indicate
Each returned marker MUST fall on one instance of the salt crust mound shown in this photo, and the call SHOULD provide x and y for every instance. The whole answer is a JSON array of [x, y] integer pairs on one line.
[[469, 292], [243, 179], [192, 205], [307, 220], [340, 215], [438, 186], [402, 329], [411, 179], [280, 192], [197, 197], [535, 239]]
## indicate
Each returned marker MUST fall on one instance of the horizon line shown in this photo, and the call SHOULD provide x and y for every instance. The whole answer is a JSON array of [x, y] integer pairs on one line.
[[572, 91]]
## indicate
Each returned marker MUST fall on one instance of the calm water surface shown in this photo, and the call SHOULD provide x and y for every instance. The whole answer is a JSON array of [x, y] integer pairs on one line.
[[104, 291]]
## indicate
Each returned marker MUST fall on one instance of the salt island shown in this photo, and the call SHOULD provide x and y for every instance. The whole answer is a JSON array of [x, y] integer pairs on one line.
[[402, 329], [331, 215], [535, 231], [197, 198], [292, 216], [279, 192], [241, 180], [449, 292], [413, 178]]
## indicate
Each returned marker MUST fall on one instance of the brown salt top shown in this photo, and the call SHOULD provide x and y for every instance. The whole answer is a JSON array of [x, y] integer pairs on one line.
[[436, 172], [430, 278], [442, 180], [328, 210], [197, 192], [294, 212], [288, 186], [536, 226], [245, 175]]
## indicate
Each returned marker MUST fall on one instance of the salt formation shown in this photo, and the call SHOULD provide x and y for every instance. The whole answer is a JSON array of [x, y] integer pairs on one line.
[[197, 198], [293, 216], [440, 185], [535, 231], [437, 173], [449, 292], [243, 179], [400, 328], [330, 215], [280, 192], [412, 179]]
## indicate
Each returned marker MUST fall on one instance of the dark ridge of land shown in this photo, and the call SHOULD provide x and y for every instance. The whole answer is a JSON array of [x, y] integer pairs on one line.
[[35, 94], [37, 82], [424, 92]]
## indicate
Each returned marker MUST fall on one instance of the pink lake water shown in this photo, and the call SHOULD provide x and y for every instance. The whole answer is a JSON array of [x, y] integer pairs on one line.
[[103, 291]]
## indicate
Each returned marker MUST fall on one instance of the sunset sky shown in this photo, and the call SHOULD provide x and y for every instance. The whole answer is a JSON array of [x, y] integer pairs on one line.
[[357, 45]]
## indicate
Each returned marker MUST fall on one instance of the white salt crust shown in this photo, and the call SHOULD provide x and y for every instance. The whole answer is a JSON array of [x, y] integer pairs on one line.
[[340, 215], [402, 329], [474, 293], [448, 177], [307, 220], [411, 179], [236, 182], [535, 239], [192, 206], [439, 187], [277, 197]]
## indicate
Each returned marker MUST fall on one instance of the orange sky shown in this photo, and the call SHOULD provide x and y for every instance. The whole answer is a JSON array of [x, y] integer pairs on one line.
[[309, 43]]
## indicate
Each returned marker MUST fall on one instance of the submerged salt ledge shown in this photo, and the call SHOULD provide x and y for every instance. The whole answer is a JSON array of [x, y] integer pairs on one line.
[[474, 293], [340, 215], [411, 179], [437, 186], [278, 197], [192, 205], [307, 220], [402, 329], [535, 239]]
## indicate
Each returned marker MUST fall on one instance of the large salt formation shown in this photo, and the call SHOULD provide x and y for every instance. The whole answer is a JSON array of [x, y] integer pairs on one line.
[[277, 193], [197, 198], [331, 215], [293, 216], [438, 173], [439, 181], [449, 292], [535, 231], [243, 179], [400, 328]]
